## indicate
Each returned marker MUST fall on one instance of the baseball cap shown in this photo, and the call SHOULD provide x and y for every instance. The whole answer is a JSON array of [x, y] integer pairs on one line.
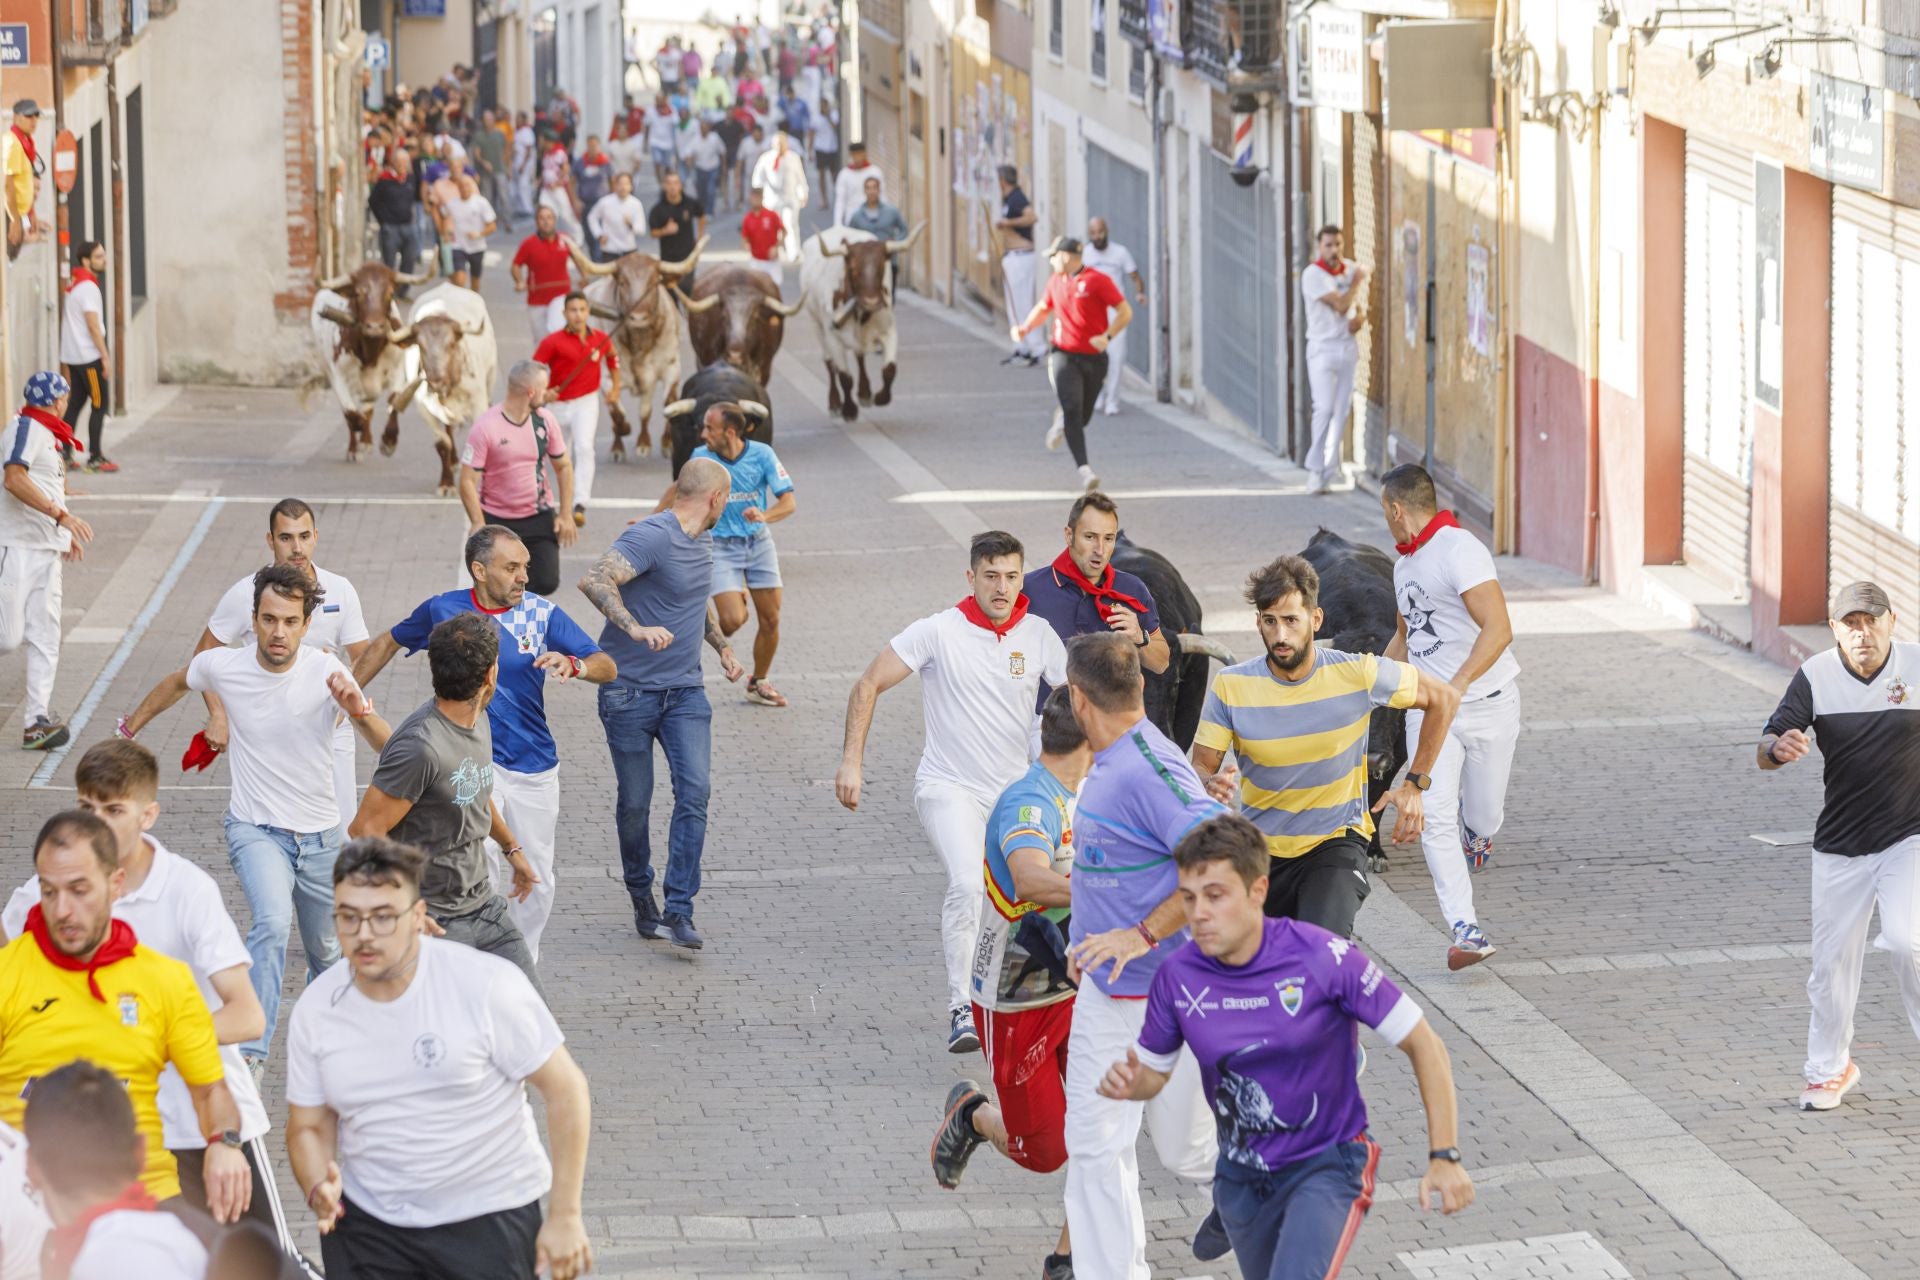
[[26, 107], [1063, 244], [1860, 597]]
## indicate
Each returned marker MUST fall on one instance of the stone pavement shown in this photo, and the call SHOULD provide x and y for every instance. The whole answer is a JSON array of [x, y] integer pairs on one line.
[[1626, 1064]]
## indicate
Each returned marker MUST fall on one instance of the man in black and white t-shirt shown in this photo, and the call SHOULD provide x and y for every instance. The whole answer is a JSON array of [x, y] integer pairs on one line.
[[1453, 625], [1862, 701], [408, 1123]]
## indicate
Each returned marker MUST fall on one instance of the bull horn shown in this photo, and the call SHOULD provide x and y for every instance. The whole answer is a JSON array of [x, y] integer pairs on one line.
[[679, 407], [405, 398], [844, 314], [1194, 643], [419, 277], [785, 309], [901, 246], [753, 409], [604, 311], [829, 251], [680, 268], [695, 308], [400, 336], [338, 316], [336, 284], [587, 265], [475, 330]]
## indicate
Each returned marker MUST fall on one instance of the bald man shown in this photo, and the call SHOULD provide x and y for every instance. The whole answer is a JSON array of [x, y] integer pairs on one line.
[[1110, 258], [652, 587]]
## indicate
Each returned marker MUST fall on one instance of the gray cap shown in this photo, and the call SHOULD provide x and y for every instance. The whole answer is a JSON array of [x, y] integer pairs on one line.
[[1063, 244], [26, 107], [1859, 597]]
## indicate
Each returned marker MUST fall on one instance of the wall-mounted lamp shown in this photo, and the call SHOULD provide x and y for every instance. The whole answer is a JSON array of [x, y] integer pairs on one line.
[[1704, 61], [1766, 63], [1657, 20]]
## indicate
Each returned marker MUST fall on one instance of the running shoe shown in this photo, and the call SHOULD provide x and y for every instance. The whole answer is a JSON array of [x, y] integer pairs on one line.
[[44, 735], [684, 934], [1056, 433], [1826, 1095], [762, 693], [961, 1037], [1479, 849], [1210, 1241], [1058, 1266], [99, 466], [953, 1145], [579, 516], [1088, 480], [1470, 946]]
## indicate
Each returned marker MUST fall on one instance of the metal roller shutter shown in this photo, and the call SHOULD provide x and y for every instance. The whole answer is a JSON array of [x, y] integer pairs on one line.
[[1370, 204], [1240, 302], [1873, 504], [1718, 375], [1117, 191]]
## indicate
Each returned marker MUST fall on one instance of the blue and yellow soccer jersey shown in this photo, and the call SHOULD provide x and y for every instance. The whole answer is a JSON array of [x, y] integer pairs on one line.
[[1302, 747], [1019, 959]]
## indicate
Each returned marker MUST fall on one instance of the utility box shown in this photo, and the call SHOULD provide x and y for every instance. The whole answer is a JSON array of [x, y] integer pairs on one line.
[[1438, 75]]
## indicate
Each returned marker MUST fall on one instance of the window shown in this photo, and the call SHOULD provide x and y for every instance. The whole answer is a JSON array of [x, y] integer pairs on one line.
[[96, 227], [1097, 51], [136, 266], [1056, 27], [546, 57], [1136, 73]]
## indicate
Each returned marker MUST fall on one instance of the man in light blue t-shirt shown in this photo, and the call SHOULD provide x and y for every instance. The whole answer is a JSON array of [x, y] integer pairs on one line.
[[745, 563], [652, 586]]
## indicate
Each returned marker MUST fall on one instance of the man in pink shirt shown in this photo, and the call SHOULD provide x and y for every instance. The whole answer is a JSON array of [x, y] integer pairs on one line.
[[503, 475]]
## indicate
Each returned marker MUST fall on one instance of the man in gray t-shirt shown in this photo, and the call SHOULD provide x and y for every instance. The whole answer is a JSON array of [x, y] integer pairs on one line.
[[433, 789]]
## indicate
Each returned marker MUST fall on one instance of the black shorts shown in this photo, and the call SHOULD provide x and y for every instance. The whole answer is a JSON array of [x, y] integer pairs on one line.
[[493, 1246], [264, 1207], [543, 548], [1323, 886], [471, 263]]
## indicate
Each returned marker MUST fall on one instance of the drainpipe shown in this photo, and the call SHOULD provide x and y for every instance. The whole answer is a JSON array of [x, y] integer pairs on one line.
[[1590, 545], [1162, 252], [115, 232], [61, 249]]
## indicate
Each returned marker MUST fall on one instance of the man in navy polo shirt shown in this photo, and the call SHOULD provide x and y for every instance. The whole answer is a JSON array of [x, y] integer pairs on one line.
[[1081, 593], [538, 641]]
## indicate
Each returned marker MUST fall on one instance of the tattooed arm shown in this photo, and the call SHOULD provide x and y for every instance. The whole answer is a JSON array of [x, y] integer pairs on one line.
[[718, 639], [602, 586]]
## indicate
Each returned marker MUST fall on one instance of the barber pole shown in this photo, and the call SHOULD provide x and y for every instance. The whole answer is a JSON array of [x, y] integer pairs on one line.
[[1244, 171]]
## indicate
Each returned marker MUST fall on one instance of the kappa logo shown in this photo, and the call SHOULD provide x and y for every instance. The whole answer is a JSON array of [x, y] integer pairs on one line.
[[1195, 1007], [1016, 663], [1339, 947], [1291, 991]]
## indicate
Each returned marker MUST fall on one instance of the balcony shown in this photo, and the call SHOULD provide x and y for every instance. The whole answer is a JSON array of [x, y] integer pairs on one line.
[[1239, 45], [1133, 23], [92, 30]]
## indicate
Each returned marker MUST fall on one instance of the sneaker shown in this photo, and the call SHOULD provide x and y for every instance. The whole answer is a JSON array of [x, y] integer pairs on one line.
[[961, 1037], [1056, 433], [579, 516], [953, 1145], [762, 693], [1479, 849], [1210, 1241], [1031, 359], [44, 735], [684, 934], [1826, 1095], [646, 919], [1058, 1266], [1112, 410], [100, 466], [1088, 480], [1471, 945]]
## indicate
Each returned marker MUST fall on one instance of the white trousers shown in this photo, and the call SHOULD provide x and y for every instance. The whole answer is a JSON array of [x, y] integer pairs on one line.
[[30, 613], [1018, 273], [1116, 361], [580, 419], [1845, 891], [770, 268], [1470, 787], [530, 802], [555, 199], [955, 821], [790, 219], [1330, 369], [345, 788], [1103, 1169], [544, 318]]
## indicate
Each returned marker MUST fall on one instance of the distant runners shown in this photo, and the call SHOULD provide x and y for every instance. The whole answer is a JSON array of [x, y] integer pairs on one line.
[[980, 663]]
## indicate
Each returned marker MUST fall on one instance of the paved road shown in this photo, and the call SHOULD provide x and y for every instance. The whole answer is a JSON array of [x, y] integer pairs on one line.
[[1626, 1063]]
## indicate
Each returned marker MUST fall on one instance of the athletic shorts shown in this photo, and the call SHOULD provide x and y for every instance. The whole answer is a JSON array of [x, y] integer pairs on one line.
[[471, 263], [745, 564], [1027, 1051]]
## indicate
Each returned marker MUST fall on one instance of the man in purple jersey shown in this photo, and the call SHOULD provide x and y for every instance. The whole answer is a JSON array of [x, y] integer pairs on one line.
[[1137, 802], [1270, 1008]]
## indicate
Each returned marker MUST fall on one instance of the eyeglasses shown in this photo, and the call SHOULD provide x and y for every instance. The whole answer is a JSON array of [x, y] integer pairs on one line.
[[346, 924]]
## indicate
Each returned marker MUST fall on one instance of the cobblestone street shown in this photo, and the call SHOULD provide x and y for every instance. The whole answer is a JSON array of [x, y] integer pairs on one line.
[[1626, 1065]]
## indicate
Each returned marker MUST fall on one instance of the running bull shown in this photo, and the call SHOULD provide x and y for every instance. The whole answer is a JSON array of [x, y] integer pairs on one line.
[[717, 383], [458, 360], [631, 299], [1357, 607], [735, 314], [1175, 696], [367, 350], [844, 283]]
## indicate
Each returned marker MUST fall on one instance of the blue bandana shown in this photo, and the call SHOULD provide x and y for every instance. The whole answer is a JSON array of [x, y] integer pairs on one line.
[[45, 387]]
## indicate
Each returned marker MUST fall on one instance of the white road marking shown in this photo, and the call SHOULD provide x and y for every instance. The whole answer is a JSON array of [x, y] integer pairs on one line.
[[1575, 1255], [1118, 495]]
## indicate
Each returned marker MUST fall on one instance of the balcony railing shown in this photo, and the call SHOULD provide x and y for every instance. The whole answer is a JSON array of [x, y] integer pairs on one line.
[[1239, 44], [1133, 23], [95, 29]]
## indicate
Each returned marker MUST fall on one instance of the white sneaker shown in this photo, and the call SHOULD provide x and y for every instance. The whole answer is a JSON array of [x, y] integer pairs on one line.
[[1057, 433], [1112, 409], [1088, 480], [1826, 1095]]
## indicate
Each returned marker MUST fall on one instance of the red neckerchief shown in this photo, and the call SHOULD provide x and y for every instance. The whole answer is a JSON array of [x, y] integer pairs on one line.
[[63, 1243], [970, 610], [52, 422], [1339, 267], [83, 276], [475, 597], [118, 946], [1441, 520], [26, 145], [1101, 592], [388, 175], [595, 157]]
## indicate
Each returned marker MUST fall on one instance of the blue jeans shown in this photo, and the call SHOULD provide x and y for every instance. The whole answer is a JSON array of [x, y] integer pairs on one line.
[[681, 721], [1298, 1222], [400, 246], [285, 874], [706, 182]]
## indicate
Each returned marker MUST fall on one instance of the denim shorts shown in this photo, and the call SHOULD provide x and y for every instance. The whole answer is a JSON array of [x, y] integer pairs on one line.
[[743, 564]]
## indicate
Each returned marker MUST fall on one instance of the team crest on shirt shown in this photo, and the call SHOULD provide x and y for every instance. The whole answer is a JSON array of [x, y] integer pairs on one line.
[[1897, 691], [429, 1050], [1290, 991], [129, 1009], [526, 642], [1016, 663]]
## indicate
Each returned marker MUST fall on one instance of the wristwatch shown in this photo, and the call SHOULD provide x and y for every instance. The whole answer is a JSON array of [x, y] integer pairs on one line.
[[227, 1138], [1450, 1154], [1420, 781]]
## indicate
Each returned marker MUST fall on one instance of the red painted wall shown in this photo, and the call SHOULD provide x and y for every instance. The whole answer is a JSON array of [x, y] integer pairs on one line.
[[1550, 456]]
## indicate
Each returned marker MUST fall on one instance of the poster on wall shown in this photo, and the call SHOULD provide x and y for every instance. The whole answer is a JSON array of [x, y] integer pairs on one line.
[[1410, 279], [1768, 260], [1479, 317]]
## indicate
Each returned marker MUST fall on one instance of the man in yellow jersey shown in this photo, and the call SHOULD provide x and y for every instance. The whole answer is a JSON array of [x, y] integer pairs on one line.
[[78, 985], [1296, 718]]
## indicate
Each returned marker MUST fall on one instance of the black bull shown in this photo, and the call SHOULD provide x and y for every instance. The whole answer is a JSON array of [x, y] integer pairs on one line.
[[1359, 616], [714, 384], [1175, 696]]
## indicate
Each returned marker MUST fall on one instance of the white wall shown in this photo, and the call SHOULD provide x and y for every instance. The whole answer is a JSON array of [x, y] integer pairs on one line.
[[426, 49]]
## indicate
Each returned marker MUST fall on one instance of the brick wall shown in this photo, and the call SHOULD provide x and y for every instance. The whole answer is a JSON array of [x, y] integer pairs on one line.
[[300, 151]]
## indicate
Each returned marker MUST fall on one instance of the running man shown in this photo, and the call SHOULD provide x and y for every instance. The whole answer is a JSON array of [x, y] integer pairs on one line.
[[510, 450], [1079, 299], [1297, 1168], [538, 642], [745, 562], [1296, 718], [1113, 260], [980, 663], [1453, 625], [542, 269], [1022, 996], [1140, 798], [577, 357], [1862, 703]]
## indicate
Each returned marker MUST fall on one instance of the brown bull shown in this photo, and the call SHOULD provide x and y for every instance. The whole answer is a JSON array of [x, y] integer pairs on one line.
[[629, 296], [366, 348], [735, 314], [844, 284]]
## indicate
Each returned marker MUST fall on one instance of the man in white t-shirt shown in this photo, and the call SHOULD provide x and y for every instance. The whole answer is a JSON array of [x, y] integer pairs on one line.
[[850, 183], [339, 627], [1454, 626], [663, 138], [617, 219], [23, 1219], [176, 908], [980, 663], [83, 349], [782, 180], [1332, 286], [470, 219], [407, 1070], [37, 532], [1112, 260], [283, 699]]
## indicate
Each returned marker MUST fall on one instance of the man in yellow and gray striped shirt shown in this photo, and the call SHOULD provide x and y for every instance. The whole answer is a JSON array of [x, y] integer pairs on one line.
[[1296, 719]]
